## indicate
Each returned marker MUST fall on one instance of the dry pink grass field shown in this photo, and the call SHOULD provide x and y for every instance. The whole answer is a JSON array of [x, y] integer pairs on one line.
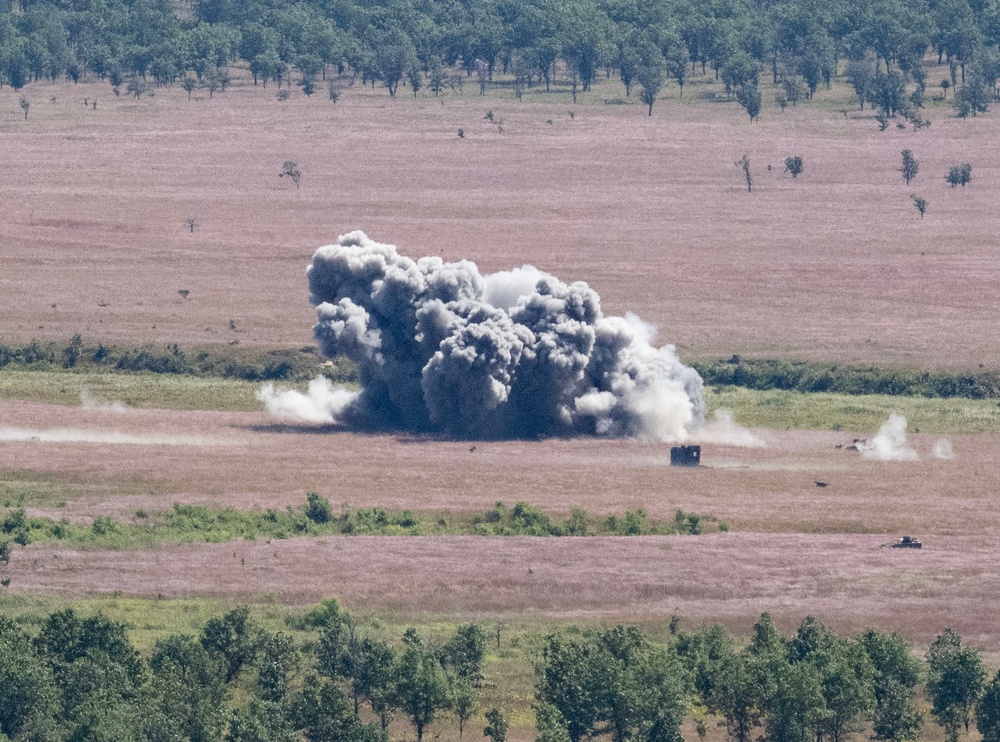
[[797, 549], [835, 265]]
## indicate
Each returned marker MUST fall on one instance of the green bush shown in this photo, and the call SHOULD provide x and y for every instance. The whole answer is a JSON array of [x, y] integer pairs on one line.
[[318, 508]]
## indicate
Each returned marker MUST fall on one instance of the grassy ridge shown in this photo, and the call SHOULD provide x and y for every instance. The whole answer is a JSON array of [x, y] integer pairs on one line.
[[803, 376], [825, 411], [220, 362], [197, 523]]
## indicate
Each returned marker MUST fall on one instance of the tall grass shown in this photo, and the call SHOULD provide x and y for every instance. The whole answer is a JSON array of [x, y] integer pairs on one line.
[[826, 411]]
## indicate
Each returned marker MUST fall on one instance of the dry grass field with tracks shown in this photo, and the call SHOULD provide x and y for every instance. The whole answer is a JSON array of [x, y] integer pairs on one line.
[[835, 265]]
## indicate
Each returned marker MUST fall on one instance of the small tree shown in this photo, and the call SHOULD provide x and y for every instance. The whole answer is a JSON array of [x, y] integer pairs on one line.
[[291, 170], [496, 728], [910, 167], [416, 81], [651, 79], [988, 711], [333, 91], [744, 165], [25, 105], [794, 166], [920, 203], [792, 90], [189, 85], [308, 85], [959, 175], [956, 682], [136, 86], [318, 508], [749, 97]]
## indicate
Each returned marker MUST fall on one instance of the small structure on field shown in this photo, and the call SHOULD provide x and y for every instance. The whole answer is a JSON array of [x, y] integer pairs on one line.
[[906, 542], [685, 456]]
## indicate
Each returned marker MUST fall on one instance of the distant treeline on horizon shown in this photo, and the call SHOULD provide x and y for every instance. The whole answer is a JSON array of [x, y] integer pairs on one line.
[[880, 45]]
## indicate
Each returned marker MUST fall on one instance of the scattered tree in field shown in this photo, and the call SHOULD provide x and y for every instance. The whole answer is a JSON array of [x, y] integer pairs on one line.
[[415, 79], [496, 726], [191, 222], [910, 166], [421, 685], [651, 79], [483, 74], [291, 170], [988, 711], [956, 682], [184, 293], [308, 85], [959, 175], [461, 701], [136, 86], [792, 90], [189, 85], [920, 204], [794, 165], [318, 508], [334, 92], [25, 105], [749, 97], [973, 97], [945, 84], [744, 165], [233, 639]]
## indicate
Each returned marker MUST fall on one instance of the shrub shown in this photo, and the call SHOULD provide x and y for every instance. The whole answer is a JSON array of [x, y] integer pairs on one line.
[[318, 508], [794, 165], [959, 175]]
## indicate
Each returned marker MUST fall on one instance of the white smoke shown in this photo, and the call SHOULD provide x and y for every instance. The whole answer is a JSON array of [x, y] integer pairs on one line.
[[89, 402], [441, 348], [724, 431], [943, 450], [322, 403], [889, 444]]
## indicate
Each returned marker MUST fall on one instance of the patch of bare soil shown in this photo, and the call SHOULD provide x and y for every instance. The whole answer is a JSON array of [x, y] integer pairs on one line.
[[651, 211]]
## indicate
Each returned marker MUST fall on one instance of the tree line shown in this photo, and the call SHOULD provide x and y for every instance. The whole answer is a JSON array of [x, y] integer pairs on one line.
[[800, 44], [81, 678]]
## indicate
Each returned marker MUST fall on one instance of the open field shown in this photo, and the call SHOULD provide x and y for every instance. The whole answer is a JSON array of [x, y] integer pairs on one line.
[[795, 549], [834, 265]]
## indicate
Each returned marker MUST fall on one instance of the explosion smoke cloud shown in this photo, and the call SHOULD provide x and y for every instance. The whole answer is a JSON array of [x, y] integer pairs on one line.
[[890, 444], [441, 348]]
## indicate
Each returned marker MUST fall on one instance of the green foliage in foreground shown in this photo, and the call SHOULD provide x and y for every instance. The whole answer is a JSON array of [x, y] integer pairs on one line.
[[323, 674], [197, 523]]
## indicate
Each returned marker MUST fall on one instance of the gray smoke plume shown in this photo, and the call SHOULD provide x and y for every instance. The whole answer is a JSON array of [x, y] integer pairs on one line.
[[441, 348]]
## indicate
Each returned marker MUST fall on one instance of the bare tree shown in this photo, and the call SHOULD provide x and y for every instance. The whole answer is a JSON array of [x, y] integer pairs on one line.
[[910, 167], [744, 165]]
